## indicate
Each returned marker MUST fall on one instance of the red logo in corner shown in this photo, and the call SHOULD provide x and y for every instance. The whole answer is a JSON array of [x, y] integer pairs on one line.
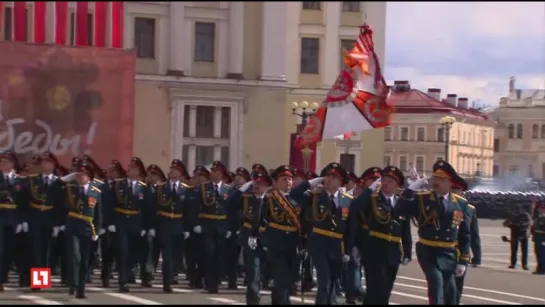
[[40, 278]]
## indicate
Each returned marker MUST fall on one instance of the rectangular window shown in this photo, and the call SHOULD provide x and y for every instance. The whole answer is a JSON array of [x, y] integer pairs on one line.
[[420, 134], [347, 161], [187, 116], [308, 5], [310, 55], [185, 155], [387, 160], [351, 6], [388, 134], [404, 134], [8, 24], [205, 37], [346, 45], [204, 155], [441, 134], [403, 163], [225, 156], [420, 164], [225, 122], [144, 37], [496, 145], [205, 122]]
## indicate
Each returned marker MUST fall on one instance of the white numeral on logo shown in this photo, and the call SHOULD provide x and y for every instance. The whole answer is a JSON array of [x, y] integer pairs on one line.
[[40, 278]]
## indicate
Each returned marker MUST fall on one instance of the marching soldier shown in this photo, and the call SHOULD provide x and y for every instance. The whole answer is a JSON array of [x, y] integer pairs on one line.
[[155, 176], [282, 234], [214, 224], [266, 266], [13, 216], [519, 223], [130, 219], [172, 221], [539, 236], [327, 214], [459, 186], [82, 223], [46, 199], [59, 255], [351, 183], [442, 226], [388, 241]]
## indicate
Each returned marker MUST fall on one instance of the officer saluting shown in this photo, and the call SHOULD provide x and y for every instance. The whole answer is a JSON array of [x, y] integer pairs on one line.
[[442, 224], [172, 220], [82, 223], [389, 241]]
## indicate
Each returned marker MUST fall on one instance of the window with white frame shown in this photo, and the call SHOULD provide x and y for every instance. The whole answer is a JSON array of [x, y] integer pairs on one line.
[[387, 160], [388, 133], [420, 134], [440, 134], [403, 163], [420, 164], [404, 133]]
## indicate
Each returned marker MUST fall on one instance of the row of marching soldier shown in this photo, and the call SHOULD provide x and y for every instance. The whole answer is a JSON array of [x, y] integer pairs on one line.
[[286, 222]]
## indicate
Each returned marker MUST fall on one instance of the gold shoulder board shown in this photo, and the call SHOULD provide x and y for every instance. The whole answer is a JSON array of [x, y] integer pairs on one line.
[[161, 183], [33, 175], [187, 186], [143, 183], [347, 195], [96, 189], [119, 179], [99, 181], [471, 206], [459, 197], [423, 192]]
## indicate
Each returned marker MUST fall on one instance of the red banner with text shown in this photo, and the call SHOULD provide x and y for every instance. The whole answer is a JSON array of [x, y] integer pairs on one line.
[[69, 101]]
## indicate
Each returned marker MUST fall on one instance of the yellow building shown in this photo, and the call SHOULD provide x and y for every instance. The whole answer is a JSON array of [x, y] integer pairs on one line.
[[216, 79], [520, 135], [418, 135]]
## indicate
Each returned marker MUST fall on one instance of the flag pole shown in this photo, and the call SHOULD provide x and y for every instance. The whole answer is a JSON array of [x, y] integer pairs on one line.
[[306, 152]]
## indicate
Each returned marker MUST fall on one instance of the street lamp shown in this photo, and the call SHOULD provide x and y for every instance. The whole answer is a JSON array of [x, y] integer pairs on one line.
[[307, 110], [446, 122]]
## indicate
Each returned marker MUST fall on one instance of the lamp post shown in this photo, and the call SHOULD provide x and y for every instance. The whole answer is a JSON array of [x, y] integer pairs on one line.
[[446, 122], [306, 111]]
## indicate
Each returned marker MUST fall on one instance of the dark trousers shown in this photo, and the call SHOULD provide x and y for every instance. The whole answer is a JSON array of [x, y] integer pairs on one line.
[[108, 255], [7, 244], [94, 257], [195, 261], [523, 250], [328, 271], [460, 287], [352, 280], [79, 249], [382, 276], [127, 253], [214, 250], [23, 257], [539, 248], [58, 257], [232, 254], [40, 237], [283, 266], [172, 249], [156, 251], [144, 259], [441, 284], [253, 261]]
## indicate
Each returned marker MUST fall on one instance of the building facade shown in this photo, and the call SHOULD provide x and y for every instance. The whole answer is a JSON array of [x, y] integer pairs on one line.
[[418, 138], [519, 142]]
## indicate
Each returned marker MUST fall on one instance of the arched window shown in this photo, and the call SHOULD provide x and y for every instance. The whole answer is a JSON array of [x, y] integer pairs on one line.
[[519, 131], [535, 131], [511, 131]]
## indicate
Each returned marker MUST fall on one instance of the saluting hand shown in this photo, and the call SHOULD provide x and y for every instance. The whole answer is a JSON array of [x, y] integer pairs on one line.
[[186, 235], [228, 234], [142, 233], [94, 238]]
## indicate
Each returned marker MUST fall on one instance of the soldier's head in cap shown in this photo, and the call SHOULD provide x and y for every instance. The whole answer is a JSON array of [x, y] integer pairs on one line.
[[89, 160], [230, 179], [177, 170], [25, 170], [61, 171], [35, 166], [352, 181], [334, 177], [241, 176], [299, 176], [116, 170], [75, 164], [311, 175], [259, 168], [136, 169], [370, 175], [443, 177], [218, 172], [9, 162], [48, 162], [261, 182], [282, 178], [392, 180], [459, 185], [86, 173], [155, 174], [201, 174]]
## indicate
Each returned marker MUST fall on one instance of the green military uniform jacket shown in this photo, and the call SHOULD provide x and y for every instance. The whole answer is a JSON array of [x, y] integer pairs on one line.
[[14, 200], [46, 200], [215, 214], [84, 213], [132, 209], [171, 208]]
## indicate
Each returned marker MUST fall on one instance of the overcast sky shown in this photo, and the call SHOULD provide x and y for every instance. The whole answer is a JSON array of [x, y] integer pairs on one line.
[[468, 48]]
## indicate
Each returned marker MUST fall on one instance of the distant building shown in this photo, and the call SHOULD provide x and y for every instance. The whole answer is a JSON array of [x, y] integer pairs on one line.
[[519, 142], [417, 138]]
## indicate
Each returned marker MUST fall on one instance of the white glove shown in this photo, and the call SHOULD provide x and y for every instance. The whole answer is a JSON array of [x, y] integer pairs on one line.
[[197, 229], [315, 182], [418, 184], [238, 232], [25, 226], [405, 261], [245, 187], [142, 233], [186, 235], [346, 258], [101, 232], [303, 253], [228, 234], [94, 238], [460, 270], [55, 232], [375, 184], [355, 254], [151, 233], [111, 228], [18, 228], [69, 177], [252, 242], [62, 228]]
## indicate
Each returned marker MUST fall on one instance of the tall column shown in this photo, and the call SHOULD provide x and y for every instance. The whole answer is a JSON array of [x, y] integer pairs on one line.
[[192, 157], [222, 56], [293, 53], [162, 46], [176, 39], [217, 122], [187, 48], [236, 40], [49, 22], [192, 121], [332, 43], [273, 46]]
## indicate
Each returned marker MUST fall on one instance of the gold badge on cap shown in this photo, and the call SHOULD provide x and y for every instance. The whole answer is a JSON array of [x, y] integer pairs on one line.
[[392, 168], [441, 163]]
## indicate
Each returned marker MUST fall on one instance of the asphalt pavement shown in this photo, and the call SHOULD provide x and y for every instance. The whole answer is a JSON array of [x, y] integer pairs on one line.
[[491, 283]]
